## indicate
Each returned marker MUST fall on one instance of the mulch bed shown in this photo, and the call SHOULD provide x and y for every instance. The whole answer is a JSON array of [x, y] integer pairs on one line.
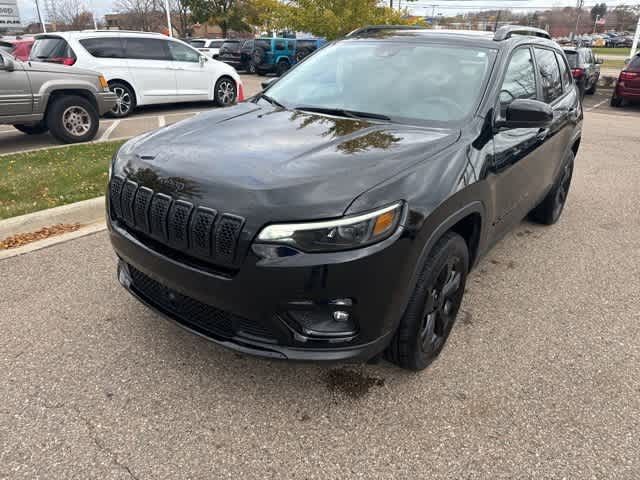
[[23, 238]]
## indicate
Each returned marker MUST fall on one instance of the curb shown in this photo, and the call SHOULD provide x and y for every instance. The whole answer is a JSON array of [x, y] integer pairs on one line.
[[51, 241], [84, 212]]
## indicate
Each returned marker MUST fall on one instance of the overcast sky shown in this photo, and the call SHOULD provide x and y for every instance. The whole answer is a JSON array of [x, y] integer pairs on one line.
[[419, 7]]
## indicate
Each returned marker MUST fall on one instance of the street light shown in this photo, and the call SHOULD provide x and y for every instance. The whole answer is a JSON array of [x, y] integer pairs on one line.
[[166, 6], [595, 23]]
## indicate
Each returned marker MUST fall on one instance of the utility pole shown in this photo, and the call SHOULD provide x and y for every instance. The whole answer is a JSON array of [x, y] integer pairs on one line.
[[596, 23], [495, 26], [44, 28], [166, 6], [579, 5]]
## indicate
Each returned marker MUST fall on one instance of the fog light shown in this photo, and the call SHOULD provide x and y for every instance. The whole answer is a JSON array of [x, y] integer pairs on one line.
[[340, 316], [123, 275]]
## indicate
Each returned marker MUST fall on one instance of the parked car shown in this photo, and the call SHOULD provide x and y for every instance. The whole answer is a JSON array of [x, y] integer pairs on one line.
[[628, 86], [208, 46], [336, 215], [22, 48], [143, 68], [39, 97], [621, 41], [585, 68], [232, 53]]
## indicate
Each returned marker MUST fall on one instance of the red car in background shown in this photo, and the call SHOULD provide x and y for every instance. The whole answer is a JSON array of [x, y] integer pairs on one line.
[[19, 48], [22, 48], [628, 87]]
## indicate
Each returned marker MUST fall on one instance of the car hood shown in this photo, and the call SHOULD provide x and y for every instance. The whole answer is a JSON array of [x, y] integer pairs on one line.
[[275, 164], [49, 67]]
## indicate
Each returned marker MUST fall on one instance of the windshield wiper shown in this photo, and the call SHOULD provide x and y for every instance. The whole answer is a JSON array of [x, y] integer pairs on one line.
[[272, 101], [341, 112]]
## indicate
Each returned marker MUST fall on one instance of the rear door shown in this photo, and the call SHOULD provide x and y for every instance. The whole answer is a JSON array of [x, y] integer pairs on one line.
[[15, 90], [192, 79], [151, 66]]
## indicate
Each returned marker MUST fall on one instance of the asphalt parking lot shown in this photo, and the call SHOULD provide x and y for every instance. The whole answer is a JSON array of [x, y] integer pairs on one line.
[[540, 379], [142, 120]]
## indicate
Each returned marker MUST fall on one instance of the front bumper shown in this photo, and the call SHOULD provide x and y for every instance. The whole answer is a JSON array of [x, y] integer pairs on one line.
[[106, 101], [251, 310]]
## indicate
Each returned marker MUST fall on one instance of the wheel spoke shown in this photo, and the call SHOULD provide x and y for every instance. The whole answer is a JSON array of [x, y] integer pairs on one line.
[[452, 285]]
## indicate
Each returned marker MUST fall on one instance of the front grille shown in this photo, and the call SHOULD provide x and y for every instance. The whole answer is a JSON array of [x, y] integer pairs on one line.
[[186, 228], [197, 315]]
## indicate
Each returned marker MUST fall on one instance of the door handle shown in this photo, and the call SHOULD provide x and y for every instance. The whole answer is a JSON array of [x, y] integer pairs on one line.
[[542, 134]]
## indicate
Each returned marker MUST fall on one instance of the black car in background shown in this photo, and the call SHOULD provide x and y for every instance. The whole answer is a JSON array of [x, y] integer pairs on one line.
[[336, 215], [585, 68], [231, 53]]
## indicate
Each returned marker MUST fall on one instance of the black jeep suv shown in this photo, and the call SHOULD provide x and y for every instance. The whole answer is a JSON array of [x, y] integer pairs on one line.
[[337, 214]]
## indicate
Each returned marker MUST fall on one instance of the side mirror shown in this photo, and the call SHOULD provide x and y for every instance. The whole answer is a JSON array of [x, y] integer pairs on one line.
[[7, 64], [202, 59], [524, 113], [267, 83]]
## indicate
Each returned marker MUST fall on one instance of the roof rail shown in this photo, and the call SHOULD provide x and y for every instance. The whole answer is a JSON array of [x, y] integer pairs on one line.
[[510, 30], [114, 30], [375, 28]]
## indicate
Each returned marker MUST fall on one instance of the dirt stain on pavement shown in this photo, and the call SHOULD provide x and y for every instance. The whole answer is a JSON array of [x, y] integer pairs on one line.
[[353, 384]]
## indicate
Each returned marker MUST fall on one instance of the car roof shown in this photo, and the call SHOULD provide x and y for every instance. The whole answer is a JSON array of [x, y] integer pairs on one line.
[[464, 37], [100, 33]]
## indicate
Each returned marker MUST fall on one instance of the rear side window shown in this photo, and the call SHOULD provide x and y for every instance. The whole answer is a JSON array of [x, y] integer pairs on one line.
[[573, 58], [263, 44], [280, 45], [216, 44], [51, 49], [634, 64], [549, 73], [103, 47], [564, 72], [146, 48], [232, 46], [520, 79], [197, 43]]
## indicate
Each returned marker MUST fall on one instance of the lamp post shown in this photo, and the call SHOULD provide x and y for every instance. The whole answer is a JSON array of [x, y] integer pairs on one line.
[[166, 6], [596, 23], [634, 47], [44, 27]]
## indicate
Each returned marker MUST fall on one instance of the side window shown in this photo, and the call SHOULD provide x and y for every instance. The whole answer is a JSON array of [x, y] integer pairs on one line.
[[182, 53], [279, 44], [146, 48], [520, 79], [103, 47], [549, 73], [564, 72]]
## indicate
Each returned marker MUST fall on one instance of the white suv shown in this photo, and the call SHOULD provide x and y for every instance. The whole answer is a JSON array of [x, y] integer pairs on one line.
[[209, 46], [143, 68]]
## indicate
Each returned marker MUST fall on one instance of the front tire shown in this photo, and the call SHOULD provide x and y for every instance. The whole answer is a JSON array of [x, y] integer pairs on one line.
[[433, 306], [225, 92], [126, 100], [550, 209], [592, 89], [72, 119], [281, 68], [35, 129]]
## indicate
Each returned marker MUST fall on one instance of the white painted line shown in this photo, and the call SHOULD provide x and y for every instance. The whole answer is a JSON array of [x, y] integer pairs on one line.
[[109, 131], [162, 121], [597, 105]]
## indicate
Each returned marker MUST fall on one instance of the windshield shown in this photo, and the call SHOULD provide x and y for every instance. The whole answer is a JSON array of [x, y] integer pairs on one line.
[[231, 46], [403, 81]]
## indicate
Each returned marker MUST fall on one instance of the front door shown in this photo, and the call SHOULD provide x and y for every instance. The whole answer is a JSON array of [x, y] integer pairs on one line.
[[516, 169], [15, 89], [150, 64], [192, 78]]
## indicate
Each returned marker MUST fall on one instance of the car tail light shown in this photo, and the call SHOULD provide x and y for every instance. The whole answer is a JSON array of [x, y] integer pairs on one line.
[[626, 75], [577, 72], [240, 92]]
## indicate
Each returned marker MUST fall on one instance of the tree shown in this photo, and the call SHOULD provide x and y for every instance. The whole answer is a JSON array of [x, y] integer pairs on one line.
[[334, 18], [68, 14], [599, 10], [180, 15], [227, 14], [138, 14]]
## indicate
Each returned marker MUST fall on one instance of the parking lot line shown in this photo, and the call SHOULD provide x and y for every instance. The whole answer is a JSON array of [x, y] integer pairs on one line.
[[599, 104], [109, 130]]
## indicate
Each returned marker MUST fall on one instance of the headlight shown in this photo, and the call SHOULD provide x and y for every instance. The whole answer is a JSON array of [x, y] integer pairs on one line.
[[341, 234]]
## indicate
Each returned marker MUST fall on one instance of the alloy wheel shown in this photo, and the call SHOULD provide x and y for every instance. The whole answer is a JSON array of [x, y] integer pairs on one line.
[[441, 305], [226, 92], [563, 190], [123, 102], [76, 121]]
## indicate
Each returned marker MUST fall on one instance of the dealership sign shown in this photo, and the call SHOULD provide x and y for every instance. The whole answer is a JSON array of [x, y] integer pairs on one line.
[[9, 15]]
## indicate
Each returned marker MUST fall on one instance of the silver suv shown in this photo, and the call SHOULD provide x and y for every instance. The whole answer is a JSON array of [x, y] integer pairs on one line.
[[67, 101]]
